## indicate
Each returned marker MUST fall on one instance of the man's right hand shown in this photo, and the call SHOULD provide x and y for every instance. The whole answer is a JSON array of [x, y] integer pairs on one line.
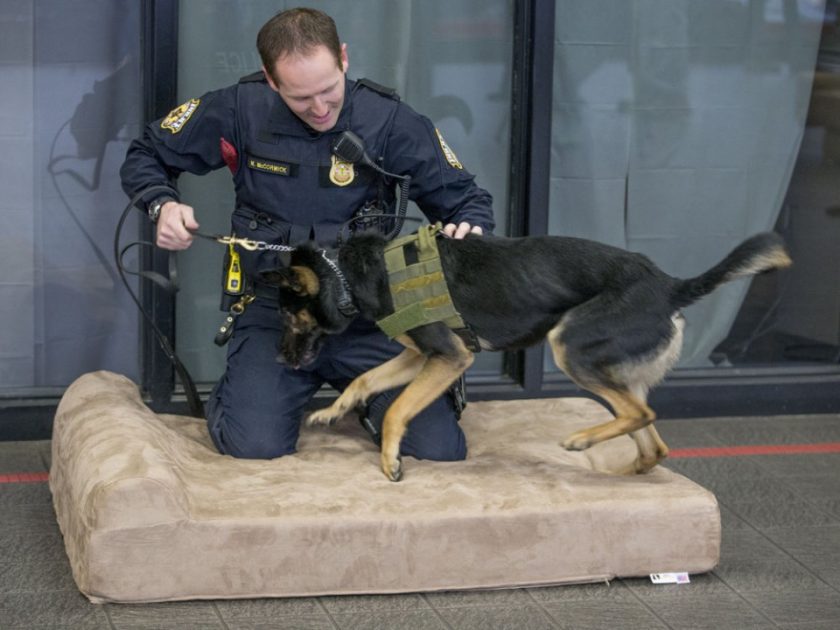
[[173, 224]]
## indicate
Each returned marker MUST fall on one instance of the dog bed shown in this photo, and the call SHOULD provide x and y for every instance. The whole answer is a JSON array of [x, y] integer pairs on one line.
[[151, 512]]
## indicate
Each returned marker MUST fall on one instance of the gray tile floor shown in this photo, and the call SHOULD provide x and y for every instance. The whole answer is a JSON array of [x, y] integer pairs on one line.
[[780, 564]]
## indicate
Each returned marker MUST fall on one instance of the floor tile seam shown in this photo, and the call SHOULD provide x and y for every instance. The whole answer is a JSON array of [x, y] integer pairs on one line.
[[215, 606], [741, 597], [437, 613], [766, 468], [542, 608], [332, 620], [780, 481], [106, 609], [811, 612], [783, 550], [645, 605], [807, 500], [730, 506], [44, 461]]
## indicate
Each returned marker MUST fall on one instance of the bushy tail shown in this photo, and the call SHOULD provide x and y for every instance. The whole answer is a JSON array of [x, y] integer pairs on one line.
[[759, 253]]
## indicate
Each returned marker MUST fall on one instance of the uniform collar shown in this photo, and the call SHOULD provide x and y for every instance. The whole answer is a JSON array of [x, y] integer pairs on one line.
[[283, 121]]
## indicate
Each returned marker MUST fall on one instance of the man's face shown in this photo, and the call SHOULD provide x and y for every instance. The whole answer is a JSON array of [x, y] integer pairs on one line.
[[311, 86]]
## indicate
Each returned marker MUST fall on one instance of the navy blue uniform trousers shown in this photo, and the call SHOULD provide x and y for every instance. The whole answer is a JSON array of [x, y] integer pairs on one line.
[[255, 410]]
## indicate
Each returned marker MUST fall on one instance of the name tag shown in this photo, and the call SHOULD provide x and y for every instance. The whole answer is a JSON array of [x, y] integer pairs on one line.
[[286, 169]]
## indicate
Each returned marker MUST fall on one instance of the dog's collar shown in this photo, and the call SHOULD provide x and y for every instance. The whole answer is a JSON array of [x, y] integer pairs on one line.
[[345, 298]]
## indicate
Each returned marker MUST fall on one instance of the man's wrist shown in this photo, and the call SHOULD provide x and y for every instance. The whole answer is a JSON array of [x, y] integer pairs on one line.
[[156, 205]]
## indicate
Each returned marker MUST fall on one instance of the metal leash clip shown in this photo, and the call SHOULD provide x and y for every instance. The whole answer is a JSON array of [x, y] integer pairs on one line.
[[244, 243]]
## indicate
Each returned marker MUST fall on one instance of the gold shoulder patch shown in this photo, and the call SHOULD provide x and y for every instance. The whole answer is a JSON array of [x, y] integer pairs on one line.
[[178, 117], [448, 153]]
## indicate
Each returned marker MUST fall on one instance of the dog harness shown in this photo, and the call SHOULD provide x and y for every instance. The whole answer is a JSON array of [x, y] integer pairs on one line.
[[418, 286]]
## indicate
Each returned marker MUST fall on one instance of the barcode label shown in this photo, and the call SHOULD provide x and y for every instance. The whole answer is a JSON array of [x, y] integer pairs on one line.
[[669, 578]]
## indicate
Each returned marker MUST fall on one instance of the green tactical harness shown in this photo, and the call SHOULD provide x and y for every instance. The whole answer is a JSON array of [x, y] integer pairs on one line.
[[418, 286]]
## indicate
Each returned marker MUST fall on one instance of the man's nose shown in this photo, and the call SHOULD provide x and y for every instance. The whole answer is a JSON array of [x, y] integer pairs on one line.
[[319, 107]]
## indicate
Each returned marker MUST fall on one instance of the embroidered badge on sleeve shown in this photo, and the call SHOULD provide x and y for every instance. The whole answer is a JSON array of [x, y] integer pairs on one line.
[[448, 153], [178, 117]]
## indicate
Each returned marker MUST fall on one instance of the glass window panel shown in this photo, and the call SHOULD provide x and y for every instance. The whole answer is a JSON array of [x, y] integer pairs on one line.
[[681, 128], [71, 104]]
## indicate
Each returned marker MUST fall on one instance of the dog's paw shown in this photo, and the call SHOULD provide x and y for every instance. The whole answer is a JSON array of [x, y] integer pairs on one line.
[[392, 467], [323, 416], [577, 441]]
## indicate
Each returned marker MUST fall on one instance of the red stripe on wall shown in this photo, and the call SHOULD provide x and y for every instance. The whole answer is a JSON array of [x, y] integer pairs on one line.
[[25, 477], [761, 449]]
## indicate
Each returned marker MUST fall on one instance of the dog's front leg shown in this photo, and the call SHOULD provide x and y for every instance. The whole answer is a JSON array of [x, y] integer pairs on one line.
[[393, 373], [437, 375]]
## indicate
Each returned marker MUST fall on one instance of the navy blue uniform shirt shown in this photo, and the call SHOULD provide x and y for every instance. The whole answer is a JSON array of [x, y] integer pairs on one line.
[[288, 188]]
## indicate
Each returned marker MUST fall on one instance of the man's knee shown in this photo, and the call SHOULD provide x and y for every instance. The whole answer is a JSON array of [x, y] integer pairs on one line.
[[249, 438], [451, 448], [254, 448]]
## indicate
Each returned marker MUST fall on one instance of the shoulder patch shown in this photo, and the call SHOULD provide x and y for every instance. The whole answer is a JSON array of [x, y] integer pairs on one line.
[[381, 89], [178, 117], [448, 153]]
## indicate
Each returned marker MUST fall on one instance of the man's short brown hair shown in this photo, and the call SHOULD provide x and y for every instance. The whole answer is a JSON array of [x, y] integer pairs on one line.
[[297, 32]]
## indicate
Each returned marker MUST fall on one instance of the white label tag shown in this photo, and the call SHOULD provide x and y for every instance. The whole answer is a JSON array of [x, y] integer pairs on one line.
[[669, 578]]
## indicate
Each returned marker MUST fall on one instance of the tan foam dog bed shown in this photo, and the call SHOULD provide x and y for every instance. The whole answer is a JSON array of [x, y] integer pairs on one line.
[[150, 511]]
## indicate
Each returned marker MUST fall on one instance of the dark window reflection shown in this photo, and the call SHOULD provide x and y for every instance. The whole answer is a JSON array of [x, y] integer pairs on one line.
[[794, 317]]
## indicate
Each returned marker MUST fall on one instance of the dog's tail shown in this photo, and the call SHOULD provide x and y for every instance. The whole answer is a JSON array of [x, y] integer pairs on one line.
[[759, 253]]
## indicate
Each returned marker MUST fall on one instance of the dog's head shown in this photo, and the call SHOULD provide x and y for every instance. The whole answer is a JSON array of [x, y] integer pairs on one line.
[[308, 299]]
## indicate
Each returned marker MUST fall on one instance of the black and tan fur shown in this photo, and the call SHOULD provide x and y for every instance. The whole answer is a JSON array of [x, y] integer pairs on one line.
[[611, 318]]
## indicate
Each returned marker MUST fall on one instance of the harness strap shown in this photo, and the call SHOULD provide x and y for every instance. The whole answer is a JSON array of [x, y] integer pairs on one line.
[[417, 284]]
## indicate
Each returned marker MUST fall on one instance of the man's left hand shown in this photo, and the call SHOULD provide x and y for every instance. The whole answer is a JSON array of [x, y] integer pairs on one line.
[[461, 230]]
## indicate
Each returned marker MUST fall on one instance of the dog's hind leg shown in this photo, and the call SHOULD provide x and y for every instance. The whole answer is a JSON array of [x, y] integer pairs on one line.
[[631, 415], [393, 373], [618, 354], [439, 372], [652, 450]]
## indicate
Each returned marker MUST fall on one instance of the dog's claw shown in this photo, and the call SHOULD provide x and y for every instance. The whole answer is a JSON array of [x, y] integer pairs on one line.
[[393, 470], [577, 442], [322, 416]]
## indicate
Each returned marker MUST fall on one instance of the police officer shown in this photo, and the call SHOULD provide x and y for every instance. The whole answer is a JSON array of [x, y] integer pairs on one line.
[[273, 131]]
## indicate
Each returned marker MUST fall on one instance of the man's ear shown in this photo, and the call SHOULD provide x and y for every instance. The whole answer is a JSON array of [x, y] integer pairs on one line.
[[345, 60], [268, 78]]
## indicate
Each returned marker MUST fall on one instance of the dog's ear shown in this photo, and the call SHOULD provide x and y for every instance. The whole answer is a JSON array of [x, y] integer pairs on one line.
[[305, 281], [300, 280]]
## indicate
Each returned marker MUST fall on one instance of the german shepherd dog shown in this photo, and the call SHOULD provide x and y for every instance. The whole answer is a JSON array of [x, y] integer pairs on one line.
[[611, 317]]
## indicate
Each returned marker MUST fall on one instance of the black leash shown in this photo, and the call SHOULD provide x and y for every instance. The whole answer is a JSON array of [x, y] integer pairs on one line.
[[168, 284]]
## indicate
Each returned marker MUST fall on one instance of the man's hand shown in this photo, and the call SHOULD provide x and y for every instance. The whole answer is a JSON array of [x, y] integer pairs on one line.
[[461, 230], [174, 221]]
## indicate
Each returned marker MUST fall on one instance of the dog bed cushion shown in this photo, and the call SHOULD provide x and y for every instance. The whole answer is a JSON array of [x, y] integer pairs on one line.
[[151, 512]]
